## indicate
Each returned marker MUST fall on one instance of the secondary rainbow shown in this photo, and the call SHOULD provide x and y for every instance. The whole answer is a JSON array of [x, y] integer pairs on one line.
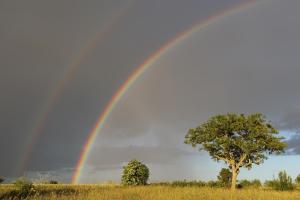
[[141, 69], [67, 77]]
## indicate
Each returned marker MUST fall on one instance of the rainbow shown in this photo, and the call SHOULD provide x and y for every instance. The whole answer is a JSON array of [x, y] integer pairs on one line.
[[139, 71], [67, 77]]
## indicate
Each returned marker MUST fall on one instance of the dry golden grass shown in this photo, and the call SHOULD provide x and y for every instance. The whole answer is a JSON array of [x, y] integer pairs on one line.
[[84, 192]]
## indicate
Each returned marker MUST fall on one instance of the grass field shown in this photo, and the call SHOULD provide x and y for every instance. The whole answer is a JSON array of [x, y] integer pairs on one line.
[[83, 192]]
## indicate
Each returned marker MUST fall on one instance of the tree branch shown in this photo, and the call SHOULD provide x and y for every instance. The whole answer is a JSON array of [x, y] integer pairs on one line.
[[244, 156], [231, 162]]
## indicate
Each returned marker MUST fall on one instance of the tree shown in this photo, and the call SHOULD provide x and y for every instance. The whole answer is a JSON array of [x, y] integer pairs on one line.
[[135, 173], [225, 177], [284, 182], [297, 180], [1, 179], [237, 139]]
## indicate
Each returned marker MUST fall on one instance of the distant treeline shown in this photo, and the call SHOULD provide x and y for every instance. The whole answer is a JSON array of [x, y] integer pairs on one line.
[[283, 182], [214, 184]]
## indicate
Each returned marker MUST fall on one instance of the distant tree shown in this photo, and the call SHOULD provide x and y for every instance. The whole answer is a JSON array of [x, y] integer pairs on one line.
[[297, 180], [53, 182], [283, 182], [238, 140], [225, 177], [1, 179], [256, 183], [135, 173]]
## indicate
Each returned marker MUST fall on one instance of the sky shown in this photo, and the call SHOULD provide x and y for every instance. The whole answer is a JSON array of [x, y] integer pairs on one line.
[[62, 61]]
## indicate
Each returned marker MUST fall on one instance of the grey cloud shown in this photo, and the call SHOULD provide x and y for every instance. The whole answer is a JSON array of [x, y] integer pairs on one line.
[[247, 62], [105, 157], [290, 121], [231, 66], [293, 145]]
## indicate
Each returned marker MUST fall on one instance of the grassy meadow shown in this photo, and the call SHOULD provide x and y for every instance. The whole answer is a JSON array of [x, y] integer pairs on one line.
[[150, 192]]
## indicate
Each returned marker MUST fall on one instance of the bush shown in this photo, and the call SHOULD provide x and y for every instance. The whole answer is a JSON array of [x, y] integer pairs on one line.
[[297, 180], [2, 179], [246, 183], [185, 183], [24, 188], [53, 182], [284, 182], [224, 177], [271, 183], [214, 184], [135, 173]]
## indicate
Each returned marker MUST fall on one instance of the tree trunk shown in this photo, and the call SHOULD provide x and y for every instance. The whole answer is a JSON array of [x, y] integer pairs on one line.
[[233, 179]]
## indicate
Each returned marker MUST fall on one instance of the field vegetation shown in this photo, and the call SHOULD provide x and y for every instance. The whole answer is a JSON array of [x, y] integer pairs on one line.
[[149, 192]]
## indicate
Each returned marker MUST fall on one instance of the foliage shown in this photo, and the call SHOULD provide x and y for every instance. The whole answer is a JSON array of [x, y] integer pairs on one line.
[[53, 182], [214, 184], [23, 184], [238, 140], [246, 183], [2, 179], [271, 183], [224, 177], [40, 191], [297, 180], [149, 192], [135, 173], [24, 188], [283, 182], [186, 183]]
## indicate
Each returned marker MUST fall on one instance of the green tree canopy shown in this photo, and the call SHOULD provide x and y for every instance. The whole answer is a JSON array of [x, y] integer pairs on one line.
[[237, 139], [135, 173]]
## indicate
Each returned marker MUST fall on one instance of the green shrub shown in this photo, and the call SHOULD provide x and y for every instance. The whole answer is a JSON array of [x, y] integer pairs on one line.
[[186, 183], [297, 180], [246, 183], [214, 184], [283, 182], [271, 183], [53, 182], [224, 177], [23, 184], [23, 189], [135, 173]]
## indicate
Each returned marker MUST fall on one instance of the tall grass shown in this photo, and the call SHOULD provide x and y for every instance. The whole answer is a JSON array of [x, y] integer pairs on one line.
[[84, 192]]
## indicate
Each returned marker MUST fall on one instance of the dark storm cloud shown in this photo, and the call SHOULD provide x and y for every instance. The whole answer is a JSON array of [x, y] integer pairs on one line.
[[39, 39], [107, 157], [293, 145], [231, 67], [240, 65], [290, 120]]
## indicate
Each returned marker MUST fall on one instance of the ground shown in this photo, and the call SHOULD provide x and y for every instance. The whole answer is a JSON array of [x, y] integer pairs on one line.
[[83, 192]]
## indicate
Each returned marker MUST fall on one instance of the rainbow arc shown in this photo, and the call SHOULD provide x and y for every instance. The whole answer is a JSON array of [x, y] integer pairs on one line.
[[139, 71]]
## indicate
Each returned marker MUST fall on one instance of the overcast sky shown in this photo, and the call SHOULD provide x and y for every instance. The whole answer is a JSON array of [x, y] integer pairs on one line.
[[244, 62]]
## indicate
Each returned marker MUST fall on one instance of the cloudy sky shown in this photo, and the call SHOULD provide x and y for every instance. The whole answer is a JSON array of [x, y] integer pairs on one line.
[[62, 61]]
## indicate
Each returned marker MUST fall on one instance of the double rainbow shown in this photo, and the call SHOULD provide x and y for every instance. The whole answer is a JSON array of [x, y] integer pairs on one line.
[[67, 77], [140, 70]]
